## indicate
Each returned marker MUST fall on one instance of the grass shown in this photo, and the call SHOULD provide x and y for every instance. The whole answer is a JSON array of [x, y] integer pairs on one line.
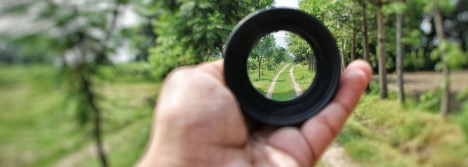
[[284, 89], [38, 125], [304, 77], [30, 107], [383, 133], [263, 82]]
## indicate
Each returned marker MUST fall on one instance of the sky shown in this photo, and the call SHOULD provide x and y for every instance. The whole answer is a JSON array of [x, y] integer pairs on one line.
[[279, 36]]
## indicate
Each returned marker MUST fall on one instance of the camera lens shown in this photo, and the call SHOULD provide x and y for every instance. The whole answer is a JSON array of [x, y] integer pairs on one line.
[[282, 65]]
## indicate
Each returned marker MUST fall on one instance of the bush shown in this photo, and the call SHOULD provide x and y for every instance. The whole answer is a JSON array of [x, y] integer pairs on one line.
[[430, 100]]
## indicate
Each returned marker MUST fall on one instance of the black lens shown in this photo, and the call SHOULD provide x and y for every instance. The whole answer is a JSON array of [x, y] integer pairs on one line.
[[322, 61]]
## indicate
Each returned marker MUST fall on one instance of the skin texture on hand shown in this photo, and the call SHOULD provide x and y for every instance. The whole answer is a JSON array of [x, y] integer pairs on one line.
[[199, 123]]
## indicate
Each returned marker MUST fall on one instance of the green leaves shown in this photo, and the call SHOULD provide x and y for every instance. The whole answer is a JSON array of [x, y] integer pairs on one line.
[[396, 7], [456, 58], [190, 31]]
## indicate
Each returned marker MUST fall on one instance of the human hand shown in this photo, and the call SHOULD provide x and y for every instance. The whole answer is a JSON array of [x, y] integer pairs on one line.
[[199, 123]]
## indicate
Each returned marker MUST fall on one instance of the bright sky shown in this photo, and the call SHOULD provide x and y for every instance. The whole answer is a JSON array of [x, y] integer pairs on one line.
[[279, 36]]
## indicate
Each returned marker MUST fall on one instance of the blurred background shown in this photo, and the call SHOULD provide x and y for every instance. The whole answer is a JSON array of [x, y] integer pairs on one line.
[[79, 79]]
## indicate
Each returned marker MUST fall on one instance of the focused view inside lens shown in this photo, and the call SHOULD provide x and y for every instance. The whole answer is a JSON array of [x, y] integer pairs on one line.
[[281, 66]]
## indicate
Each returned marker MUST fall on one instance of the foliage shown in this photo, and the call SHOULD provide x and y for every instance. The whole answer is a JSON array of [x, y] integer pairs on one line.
[[303, 53], [430, 100], [190, 32], [456, 57]]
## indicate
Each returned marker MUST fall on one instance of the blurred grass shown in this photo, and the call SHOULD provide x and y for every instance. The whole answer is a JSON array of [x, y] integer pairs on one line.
[[383, 133], [38, 125]]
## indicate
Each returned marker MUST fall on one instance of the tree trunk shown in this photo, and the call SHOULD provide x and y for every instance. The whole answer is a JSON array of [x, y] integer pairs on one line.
[[445, 103], [91, 100], [259, 65], [311, 62], [353, 46], [353, 40], [364, 32], [343, 48], [381, 52], [399, 57]]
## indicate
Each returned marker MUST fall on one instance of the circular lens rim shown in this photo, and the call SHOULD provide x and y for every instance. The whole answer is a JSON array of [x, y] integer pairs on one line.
[[242, 40]]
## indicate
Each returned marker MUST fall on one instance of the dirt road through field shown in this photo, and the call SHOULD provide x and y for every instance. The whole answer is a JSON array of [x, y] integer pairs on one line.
[[273, 83], [297, 87]]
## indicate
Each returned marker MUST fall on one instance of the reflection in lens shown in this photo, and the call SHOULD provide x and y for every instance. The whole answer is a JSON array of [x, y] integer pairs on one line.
[[281, 66]]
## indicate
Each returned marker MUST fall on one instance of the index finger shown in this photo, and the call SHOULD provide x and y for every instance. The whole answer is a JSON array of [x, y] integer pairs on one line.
[[322, 129]]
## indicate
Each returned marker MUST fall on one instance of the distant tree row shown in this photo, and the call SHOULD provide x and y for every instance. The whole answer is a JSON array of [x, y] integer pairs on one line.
[[266, 54], [399, 35]]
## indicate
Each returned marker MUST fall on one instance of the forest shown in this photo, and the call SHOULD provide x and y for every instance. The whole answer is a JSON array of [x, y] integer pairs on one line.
[[79, 79]]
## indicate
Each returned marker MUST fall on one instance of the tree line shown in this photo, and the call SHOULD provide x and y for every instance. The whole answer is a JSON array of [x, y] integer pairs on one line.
[[399, 35]]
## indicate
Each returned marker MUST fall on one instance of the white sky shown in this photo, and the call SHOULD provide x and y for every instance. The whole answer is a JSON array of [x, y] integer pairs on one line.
[[280, 35]]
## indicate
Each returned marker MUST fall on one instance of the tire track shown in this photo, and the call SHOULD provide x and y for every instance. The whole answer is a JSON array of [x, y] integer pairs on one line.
[[297, 87], [273, 83]]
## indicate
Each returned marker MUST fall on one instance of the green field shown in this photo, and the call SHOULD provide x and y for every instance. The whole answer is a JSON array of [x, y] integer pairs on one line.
[[263, 83], [284, 89], [304, 76], [38, 125]]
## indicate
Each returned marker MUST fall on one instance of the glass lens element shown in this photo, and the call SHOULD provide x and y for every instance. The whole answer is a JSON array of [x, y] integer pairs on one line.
[[281, 66]]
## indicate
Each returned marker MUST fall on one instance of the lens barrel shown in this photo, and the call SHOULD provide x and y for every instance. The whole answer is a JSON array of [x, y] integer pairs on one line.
[[282, 113]]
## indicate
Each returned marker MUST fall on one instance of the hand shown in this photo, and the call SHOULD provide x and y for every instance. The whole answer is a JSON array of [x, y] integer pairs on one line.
[[198, 123]]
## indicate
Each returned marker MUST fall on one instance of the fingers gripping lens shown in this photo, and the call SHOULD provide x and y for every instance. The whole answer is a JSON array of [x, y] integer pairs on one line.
[[282, 65]]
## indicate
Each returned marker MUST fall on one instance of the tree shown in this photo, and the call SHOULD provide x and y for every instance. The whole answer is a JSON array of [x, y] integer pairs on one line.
[[280, 55], [189, 31], [81, 35], [381, 50], [365, 36], [445, 103], [399, 55], [301, 50], [264, 49]]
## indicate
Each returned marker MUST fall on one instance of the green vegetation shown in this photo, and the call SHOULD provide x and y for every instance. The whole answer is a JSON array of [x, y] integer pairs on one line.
[[284, 89], [38, 125], [304, 77], [263, 83], [382, 133]]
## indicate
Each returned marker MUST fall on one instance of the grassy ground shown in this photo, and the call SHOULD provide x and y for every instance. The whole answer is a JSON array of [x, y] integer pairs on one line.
[[263, 82], [38, 126], [284, 89], [383, 133], [304, 76]]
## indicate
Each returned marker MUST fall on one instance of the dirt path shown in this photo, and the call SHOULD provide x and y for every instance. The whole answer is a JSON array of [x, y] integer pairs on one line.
[[418, 82], [273, 83], [297, 87]]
